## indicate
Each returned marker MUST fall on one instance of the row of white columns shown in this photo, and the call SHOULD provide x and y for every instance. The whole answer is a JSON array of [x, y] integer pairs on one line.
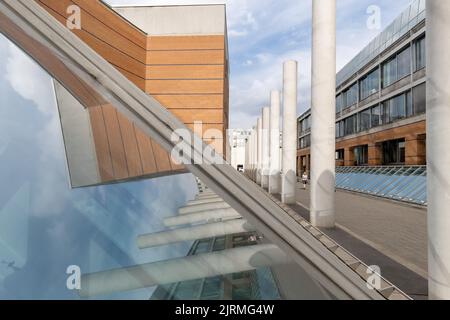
[[207, 216], [263, 145]]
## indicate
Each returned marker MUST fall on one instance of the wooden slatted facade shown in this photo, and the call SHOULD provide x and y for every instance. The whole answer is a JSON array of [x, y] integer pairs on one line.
[[186, 74]]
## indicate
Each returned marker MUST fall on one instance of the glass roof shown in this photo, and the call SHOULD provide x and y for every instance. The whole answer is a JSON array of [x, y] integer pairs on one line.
[[407, 183], [409, 18]]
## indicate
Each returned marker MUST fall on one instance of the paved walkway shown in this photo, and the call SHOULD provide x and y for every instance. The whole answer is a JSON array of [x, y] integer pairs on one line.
[[380, 232]]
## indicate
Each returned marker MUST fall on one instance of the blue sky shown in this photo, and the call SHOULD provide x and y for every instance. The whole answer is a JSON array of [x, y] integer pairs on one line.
[[264, 33]]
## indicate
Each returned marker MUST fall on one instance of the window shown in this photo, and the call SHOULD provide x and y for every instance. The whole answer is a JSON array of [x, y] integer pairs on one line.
[[376, 119], [364, 120], [397, 67], [395, 108], [420, 61], [340, 154], [409, 105], [419, 99], [369, 85], [350, 125], [339, 103], [389, 72], [203, 246], [361, 155], [404, 63], [305, 124], [351, 96], [305, 142], [394, 152]]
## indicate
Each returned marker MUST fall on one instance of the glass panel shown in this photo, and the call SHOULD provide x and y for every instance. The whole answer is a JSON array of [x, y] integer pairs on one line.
[[376, 116], [389, 72], [370, 84], [365, 121], [50, 231], [404, 63], [419, 99], [420, 54]]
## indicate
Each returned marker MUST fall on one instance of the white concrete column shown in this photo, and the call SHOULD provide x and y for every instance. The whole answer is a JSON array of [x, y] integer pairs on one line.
[[208, 216], [259, 152], [323, 114], [265, 147], [182, 269], [193, 233], [274, 165], [438, 147], [254, 152], [203, 206], [289, 152]]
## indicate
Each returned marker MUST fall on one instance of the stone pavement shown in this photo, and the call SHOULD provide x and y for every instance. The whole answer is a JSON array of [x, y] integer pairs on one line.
[[381, 232]]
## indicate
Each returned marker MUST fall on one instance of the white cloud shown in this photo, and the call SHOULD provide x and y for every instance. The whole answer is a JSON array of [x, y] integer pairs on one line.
[[28, 79], [250, 90]]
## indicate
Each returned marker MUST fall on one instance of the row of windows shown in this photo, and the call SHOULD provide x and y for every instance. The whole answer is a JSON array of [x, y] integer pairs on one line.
[[407, 104], [393, 152], [393, 70]]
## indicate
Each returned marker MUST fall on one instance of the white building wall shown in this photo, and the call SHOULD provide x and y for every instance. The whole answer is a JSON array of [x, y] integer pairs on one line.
[[237, 139]]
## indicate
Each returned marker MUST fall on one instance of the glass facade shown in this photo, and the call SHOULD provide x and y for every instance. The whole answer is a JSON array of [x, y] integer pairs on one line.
[[407, 104], [410, 18]]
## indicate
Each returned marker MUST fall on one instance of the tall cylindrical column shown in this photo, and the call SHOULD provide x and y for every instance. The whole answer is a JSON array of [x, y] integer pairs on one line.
[[438, 147], [274, 174], [182, 269], [323, 113], [289, 152], [250, 154], [259, 145], [265, 147], [255, 153]]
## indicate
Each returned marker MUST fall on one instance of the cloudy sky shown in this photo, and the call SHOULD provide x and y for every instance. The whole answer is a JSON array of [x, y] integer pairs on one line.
[[264, 33]]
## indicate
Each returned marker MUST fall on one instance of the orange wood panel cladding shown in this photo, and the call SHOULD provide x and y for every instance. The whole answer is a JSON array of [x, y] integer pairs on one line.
[[186, 74]]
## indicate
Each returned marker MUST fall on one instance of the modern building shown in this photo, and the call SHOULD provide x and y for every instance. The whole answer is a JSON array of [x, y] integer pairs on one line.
[[380, 100], [176, 54], [129, 84]]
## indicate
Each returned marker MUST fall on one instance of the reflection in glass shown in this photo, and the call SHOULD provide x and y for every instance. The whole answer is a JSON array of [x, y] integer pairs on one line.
[[47, 227]]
